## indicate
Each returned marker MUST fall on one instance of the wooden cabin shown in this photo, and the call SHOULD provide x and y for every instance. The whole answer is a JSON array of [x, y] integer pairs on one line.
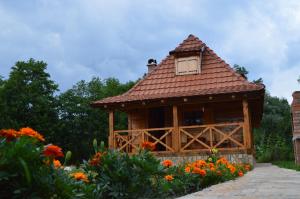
[[189, 103]]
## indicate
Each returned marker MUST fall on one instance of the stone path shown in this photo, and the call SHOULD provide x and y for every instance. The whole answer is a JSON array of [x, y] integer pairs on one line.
[[266, 181]]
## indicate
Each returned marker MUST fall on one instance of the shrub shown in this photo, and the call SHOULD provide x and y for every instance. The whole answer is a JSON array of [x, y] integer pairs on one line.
[[30, 169]]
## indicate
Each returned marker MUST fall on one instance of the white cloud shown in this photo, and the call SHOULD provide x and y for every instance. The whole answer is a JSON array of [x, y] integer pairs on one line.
[[80, 39]]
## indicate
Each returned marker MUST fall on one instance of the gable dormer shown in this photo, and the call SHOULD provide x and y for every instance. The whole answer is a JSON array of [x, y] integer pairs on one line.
[[188, 57]]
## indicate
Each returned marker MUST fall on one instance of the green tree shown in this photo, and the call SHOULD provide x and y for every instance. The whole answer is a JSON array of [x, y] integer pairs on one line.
[[79, 122], [273, 138], [27, 98], [241, 70]]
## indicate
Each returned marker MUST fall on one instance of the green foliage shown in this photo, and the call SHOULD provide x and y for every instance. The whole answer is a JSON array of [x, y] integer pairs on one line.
[[24, 174], [241, 70], [78, 120], [287, 165], [273, 138], [27, 98]]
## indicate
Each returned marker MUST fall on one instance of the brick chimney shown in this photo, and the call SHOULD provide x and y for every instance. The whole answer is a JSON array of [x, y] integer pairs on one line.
[[296, 125], [151, 65]]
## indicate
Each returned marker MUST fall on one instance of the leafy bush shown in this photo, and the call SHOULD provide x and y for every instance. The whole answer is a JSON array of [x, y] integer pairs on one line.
[[30, 169]]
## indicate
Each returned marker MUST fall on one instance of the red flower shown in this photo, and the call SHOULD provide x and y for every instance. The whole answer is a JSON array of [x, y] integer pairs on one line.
[[9, 134], [241, 173], [148, 145], [53, 151], [96, 159]]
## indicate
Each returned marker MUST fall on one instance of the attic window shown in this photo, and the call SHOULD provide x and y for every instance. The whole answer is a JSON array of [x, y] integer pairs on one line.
[[187, 65]]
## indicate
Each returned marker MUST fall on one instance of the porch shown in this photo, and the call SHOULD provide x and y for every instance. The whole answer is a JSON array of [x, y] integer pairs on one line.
[[188, 133]]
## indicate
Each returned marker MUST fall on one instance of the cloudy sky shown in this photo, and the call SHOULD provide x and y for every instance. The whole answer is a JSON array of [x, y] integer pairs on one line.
[[80, 39]]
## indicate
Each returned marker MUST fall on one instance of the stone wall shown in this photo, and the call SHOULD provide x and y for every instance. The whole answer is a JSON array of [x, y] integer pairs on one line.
[[233, 158]]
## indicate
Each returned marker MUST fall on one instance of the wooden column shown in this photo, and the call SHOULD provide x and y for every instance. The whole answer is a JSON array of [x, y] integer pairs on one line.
[[111, 130], [247, 129], [175, 135]]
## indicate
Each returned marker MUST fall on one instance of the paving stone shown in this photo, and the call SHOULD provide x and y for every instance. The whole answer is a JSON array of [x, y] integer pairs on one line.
[[266, 181]]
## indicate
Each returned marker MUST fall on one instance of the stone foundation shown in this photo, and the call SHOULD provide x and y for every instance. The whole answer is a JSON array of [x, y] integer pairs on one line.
[[233, 158]]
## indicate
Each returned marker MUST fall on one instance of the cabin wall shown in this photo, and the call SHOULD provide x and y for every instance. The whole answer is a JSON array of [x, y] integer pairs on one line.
[[137, 119]]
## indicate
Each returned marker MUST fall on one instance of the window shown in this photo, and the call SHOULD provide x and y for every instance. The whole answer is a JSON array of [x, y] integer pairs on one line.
[[192, 118], [187, 65]]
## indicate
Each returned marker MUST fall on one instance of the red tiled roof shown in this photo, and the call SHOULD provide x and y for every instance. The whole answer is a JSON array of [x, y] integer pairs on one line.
[[216, 77]]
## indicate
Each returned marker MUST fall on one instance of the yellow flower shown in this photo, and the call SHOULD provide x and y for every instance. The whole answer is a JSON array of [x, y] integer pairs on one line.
[[214, 150]]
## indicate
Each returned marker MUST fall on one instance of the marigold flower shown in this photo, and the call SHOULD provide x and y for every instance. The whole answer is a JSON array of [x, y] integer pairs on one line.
[[199, 163], [213, 169], [167, 163], [79, 176], [197, 170], [148, 145], [240, 173], [222, 161], [53, 151], [31, 133], [187, 169], [96, 159], [56, 164], [219, 173], [231, 168], [9, 134], [169, 177], [247, 167]]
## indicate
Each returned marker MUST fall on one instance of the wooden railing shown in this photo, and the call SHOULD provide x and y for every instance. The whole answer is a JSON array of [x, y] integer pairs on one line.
[[227, 136], [131, 140]]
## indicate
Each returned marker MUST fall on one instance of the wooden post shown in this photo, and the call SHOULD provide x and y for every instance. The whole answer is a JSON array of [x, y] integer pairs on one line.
[[111, 130], [175, 135], [247, 128]]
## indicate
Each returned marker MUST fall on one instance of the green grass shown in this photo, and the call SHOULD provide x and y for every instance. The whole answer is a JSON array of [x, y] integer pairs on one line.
[[287, 165]]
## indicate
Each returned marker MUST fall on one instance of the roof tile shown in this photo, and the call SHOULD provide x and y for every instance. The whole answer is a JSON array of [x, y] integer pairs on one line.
[[216, 77]]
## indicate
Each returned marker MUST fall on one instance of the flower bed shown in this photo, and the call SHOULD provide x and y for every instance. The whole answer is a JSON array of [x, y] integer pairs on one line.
[[29, 168]]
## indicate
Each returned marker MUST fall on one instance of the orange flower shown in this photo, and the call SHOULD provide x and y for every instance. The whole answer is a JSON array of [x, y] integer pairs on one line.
[[199, 163], [9, 134], [167, 163], [197, 170], [148, 145], [56, 164], [169, 177], [53, 151], [96, 159], [231, 168], [80, 176], [222, 161], [241, 173], [187, 169], [247, 167], [213, 169], [31, 133], [219, 173]]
